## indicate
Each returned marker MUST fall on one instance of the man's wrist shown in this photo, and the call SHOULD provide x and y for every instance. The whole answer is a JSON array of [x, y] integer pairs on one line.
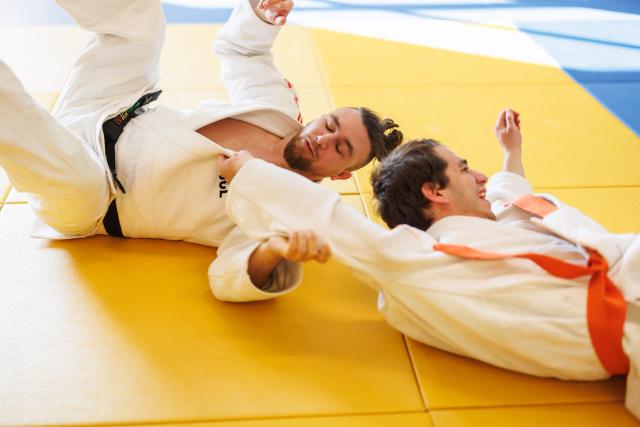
[[513, 162], [270, 253], [511, 152], [262, 263]]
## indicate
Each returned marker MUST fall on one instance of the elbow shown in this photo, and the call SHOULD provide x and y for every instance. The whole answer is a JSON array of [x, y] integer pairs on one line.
[[222, 292], [217, 290]]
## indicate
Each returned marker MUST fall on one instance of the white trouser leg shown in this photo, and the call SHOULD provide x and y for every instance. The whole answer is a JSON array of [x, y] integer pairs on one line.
[[632, 348], [118, 63], [65, 180]]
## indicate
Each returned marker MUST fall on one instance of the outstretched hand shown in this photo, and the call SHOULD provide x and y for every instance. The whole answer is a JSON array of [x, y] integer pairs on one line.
[[301, 246], [274, 11], [507, 130]]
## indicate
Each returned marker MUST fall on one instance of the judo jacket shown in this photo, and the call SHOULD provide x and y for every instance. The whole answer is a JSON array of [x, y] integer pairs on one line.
[[509, 313], [170, 172]]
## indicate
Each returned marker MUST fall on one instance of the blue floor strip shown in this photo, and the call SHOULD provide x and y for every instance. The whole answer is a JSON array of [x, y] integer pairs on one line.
[[603, 56]]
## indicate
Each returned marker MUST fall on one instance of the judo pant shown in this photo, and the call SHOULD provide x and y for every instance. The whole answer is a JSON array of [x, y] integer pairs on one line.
[[61, 175], [58, 159]]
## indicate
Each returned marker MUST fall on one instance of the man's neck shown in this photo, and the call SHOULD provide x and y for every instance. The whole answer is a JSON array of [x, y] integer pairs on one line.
[[441, 215], [237, 135]]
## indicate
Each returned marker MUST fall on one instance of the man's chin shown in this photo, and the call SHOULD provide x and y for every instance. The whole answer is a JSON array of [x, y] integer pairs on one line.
[[293, 155]]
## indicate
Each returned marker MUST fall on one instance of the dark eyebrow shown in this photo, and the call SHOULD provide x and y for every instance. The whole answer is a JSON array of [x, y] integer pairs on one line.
[[349, 146]]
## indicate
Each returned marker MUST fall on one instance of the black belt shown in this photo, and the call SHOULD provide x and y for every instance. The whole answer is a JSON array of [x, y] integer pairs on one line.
[[112, 130]]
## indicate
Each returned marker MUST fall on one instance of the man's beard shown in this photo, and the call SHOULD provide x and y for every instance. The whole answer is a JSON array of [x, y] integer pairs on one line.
[[293, 156]]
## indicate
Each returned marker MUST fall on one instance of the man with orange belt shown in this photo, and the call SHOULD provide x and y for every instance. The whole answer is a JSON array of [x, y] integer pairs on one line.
[[475, 266]]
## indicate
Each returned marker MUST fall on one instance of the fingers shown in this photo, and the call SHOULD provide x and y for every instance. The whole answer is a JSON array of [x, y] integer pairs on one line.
[[501, 123], [282, 4], [276, 11], [516, 116], [316, 248], [302, 245], [324, 254], [513, 118], [312, 243], [508, 119], [225, 165], [510, 123], [299, 247], [231, 162]]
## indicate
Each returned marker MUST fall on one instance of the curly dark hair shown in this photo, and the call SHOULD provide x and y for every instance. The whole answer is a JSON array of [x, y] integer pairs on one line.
[[397, 183], [383, 133]]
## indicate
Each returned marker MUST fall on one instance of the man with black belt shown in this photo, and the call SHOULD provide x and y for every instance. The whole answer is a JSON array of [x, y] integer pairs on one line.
[[105, 163]]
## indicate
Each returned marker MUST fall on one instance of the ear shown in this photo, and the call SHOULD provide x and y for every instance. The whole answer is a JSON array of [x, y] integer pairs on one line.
[[432, 193], [345, 174]]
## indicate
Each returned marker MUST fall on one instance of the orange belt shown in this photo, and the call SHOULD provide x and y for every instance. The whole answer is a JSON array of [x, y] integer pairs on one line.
[[606, 307]]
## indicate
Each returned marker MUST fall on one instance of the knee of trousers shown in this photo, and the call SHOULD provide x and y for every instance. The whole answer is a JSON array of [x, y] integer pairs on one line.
[[77, 209]]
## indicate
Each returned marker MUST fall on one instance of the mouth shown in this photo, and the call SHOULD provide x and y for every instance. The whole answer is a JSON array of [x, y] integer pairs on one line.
[[308, 144], [482, 194]]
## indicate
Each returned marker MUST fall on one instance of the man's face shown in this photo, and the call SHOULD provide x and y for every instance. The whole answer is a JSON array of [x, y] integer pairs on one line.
[[466, 189], [330, 146]]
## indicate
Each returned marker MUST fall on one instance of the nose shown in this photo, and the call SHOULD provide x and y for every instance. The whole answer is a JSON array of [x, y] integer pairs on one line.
[[325, 140], [480, 177]]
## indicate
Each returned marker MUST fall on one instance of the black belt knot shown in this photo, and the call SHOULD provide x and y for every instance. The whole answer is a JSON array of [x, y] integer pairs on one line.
[[112, 130]]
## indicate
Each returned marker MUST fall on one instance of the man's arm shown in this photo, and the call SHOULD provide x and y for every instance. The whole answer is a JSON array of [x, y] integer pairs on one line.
[[265, 200], [229, 274], [243, 46], [509, 184], [299, 246], [249, 269], [507, 132]]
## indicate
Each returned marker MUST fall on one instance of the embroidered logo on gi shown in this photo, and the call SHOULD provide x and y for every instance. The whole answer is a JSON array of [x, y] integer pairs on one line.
[[222, 186], [120, 118]]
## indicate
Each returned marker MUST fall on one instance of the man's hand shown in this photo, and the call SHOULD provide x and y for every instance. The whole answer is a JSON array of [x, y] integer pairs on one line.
[[274, 11], [507, 130], [300, 246], [229, 166]]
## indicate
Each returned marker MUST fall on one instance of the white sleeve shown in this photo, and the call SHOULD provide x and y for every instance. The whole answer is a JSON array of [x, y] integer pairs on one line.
[[265, 200], [243, 46], [230, 281], [504, 188]]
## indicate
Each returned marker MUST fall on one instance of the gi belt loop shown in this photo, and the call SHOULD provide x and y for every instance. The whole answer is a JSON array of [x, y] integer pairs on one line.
[[112, 130]]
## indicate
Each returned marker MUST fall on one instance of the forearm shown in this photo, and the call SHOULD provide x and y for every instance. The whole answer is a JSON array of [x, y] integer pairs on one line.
[[262, 264], [265, 200], [507, 131], [513, 162], [229, 273]]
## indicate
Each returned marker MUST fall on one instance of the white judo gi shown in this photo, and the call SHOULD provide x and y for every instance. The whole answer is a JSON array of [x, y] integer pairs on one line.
[[169, 171], [509, 313]]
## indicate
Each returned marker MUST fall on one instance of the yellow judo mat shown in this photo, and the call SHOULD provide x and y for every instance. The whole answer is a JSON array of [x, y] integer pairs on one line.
[[107, 331]]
